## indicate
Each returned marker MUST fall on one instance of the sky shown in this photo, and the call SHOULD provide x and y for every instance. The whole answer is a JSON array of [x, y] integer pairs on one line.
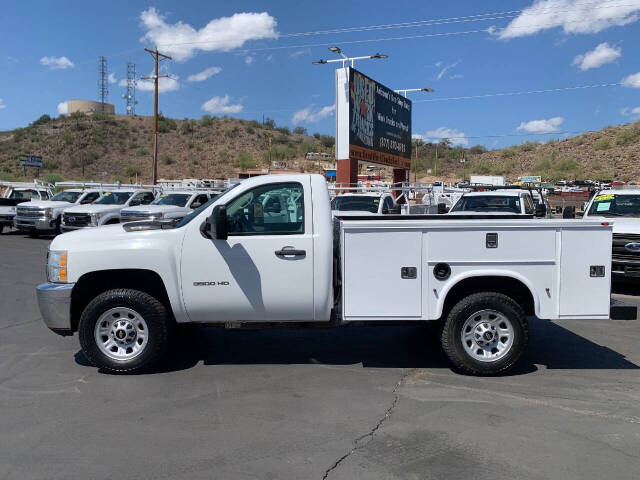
[[502, 71]]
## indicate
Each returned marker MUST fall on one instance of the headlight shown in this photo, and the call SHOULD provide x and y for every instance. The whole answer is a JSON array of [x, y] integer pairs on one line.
[[48, 212], [57, 266]]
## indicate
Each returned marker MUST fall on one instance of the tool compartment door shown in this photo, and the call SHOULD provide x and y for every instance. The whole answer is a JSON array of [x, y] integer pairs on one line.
[[382, 274]]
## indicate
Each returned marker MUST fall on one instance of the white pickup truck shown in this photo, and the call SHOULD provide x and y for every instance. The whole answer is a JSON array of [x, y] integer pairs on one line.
[[105, 210], [173, 205], [45, 216], [231, 263], [16, 193]]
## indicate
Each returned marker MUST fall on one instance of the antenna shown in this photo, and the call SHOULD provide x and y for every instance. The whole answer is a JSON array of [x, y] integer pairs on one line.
[[130, 96], [103, 85]]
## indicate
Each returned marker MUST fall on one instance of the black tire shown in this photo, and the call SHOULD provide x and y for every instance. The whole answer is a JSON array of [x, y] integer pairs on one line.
[[58, 229], [157, 320], [452, 342]]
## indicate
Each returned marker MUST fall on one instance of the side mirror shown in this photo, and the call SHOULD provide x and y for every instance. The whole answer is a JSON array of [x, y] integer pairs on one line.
[[134, 203], [195, 205], [442, 208], [215, 226], [541, 210]]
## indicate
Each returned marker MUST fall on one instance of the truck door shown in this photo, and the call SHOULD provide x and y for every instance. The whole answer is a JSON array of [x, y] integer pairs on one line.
[[264, 270]]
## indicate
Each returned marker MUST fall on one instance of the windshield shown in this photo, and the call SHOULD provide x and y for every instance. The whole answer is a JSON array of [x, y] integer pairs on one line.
[[71, 197], [197, 211], [488, 203], [24, 194], [176, 199], [612, 205], [114, 198], [356, 203]]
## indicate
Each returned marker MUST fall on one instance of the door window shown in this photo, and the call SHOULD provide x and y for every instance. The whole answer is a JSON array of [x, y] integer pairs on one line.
[[90, 198], [388, 205], [275, 209]]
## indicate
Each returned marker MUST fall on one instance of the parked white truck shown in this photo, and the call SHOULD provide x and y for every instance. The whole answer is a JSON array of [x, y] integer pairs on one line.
[[172, 205], [105, 210], [622, 206], [45, 216], [16, 193], [230, 263]]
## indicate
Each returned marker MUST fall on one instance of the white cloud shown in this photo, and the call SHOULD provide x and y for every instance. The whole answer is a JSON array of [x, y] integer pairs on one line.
[[603, 53], [311, 115], [455, 136], [445, 69], [122, 82], [632, 81], [221, 105], [182, 41], [112, 78], [297, 53], [248, 59], [2, 105], [165, 84], [456, 76], [62, 108], [203, 75], [269, 57], [631, 112], [574, 16], [550, 125], [56, 63]]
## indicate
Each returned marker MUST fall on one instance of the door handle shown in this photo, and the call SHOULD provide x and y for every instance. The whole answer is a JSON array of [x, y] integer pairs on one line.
[[290, 252]]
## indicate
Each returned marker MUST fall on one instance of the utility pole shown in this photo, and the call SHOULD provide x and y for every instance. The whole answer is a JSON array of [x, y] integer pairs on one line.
[[156, 57]]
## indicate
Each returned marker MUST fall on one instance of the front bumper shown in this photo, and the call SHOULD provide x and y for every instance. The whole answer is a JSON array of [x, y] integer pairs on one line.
[[54, 302], [619, 310], [34, 223], [7, 219], [68, 228]]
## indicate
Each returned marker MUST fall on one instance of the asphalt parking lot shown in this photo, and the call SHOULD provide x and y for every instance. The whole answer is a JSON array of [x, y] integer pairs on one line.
[[353, 403]]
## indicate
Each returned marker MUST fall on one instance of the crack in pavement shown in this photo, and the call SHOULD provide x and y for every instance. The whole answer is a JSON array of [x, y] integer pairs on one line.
[[360, 442]]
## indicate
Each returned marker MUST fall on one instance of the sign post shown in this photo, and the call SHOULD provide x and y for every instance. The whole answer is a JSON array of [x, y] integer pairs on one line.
[[373, 125]]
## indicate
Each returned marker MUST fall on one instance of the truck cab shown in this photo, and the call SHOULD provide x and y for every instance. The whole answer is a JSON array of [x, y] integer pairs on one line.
[[365, 203], [622, 206], [16, 193], [495, 202], [170, 205], [45, 216], [105, 210]]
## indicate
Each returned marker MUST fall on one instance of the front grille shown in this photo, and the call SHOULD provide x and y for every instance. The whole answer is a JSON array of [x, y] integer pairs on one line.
[[626, 247], [76, 219], [30, 212], [134, 216]]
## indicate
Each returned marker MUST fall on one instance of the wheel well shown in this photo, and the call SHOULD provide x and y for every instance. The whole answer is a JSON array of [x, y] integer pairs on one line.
[[508, 286], [93, 284]]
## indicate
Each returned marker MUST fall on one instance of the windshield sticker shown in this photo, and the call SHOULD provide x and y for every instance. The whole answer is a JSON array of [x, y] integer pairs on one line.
[[106, 194], [603, 198], [164, 195], [603, 207], [377, 200]]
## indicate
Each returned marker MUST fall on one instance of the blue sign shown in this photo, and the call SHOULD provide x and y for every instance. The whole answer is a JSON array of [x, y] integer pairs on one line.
[[31, 161]]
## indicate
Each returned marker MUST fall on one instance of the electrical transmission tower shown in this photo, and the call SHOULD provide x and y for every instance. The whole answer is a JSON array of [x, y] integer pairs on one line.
[[131, 89], [103, 84]]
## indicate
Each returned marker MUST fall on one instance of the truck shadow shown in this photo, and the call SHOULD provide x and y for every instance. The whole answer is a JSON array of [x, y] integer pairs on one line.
[[551, 345]]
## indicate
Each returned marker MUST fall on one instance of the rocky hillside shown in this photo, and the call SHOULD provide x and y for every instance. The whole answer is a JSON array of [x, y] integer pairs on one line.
[[611, 153], [108, 148]]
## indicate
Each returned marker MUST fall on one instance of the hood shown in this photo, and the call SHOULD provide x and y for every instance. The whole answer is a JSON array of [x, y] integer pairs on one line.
[[625, 225], [45, 204], [497, 214], [93, 208], [154, 209]]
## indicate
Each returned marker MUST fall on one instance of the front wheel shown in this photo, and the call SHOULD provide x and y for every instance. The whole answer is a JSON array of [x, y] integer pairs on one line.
[[124, 331], [485, 334]]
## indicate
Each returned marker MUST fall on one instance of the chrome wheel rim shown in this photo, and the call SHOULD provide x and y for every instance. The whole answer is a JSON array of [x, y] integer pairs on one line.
[[121, 333], [487, 335]]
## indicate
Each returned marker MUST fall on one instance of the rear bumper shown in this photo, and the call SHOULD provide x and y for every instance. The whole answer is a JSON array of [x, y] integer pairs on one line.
[[34, 223], [54, 302], [622, 311]]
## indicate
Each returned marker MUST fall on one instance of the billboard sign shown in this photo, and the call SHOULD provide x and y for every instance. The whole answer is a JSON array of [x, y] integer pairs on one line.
[[531, 179], [31, 161], [373, 122]]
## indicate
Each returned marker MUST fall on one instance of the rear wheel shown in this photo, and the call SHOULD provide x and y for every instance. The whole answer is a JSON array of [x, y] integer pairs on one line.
[[124, 331], [485, 334]]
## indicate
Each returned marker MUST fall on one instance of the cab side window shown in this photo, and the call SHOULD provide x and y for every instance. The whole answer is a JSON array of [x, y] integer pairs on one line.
[[90, 198], [276, 209], [199, 201], [529, 209], [388, 205], [142, 198]]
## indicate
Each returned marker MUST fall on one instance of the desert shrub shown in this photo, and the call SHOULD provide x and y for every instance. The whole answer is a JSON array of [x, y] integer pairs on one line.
[[250, 130], [166, 124], [132, 171], [300, 130], [628, 136], [602, 144], [244, 161], [477, 149], [42, 120], [269, 123], [51, 178], [206, 121], [166, 159]]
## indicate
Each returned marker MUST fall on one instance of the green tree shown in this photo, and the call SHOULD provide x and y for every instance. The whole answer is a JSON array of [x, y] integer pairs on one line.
[[43, 120], [244, 161]]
